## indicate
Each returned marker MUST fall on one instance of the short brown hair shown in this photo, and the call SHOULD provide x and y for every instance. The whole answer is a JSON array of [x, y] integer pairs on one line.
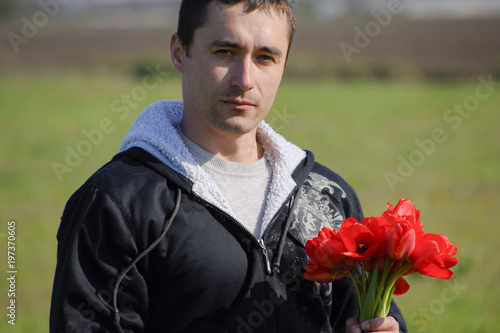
[[193, 13]]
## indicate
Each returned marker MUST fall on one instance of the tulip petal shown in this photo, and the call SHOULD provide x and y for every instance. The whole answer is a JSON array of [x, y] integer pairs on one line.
[[401, 286], [318, 273]]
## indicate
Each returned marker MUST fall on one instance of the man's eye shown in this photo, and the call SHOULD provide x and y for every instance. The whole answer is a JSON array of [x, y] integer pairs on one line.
[[224, 52], [266, 58]]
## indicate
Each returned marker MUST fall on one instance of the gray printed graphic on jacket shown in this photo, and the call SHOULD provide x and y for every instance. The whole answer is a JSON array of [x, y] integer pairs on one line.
[[315, 208]]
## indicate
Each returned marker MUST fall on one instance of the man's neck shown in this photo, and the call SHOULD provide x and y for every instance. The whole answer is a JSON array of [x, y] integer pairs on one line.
[[239, 148]]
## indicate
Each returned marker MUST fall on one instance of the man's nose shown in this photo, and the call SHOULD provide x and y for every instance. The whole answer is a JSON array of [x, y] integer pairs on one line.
[[244, 74]]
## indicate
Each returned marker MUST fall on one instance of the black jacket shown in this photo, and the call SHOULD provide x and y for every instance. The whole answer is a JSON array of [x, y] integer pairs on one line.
[[140, 251]]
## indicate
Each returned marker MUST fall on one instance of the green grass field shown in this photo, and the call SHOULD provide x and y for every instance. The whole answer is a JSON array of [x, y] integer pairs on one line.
[[388, 139]]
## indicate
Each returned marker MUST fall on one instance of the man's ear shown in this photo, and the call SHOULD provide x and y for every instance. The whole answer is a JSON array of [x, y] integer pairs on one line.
[[177, 52]]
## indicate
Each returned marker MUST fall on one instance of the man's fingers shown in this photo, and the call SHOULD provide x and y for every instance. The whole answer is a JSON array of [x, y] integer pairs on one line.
[[387, 324], [352, 326]]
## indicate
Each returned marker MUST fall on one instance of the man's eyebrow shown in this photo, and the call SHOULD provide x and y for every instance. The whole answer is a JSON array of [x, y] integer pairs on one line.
[[227, 43], [272, 50]]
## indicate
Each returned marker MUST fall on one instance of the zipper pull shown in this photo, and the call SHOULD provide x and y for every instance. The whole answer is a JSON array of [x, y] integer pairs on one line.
[[266, 257]]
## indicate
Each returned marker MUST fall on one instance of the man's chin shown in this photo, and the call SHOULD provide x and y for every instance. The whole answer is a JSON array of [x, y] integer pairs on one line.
[[240, 127]]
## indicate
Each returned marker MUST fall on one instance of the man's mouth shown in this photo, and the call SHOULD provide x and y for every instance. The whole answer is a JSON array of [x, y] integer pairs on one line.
[[240, 104]]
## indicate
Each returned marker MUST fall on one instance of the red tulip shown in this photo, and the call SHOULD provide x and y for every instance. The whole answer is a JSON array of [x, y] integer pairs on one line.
[[318, 273], [400, 241], [405, 208], [379, 227], [446, 251], [328, 249], [359, 241], [432, 256], [405, 212]]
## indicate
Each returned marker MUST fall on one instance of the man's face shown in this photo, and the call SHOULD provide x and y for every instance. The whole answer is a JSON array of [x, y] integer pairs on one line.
[[234, 68]]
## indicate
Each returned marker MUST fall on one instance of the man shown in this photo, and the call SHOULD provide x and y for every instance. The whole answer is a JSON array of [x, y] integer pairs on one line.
[[199, 224]]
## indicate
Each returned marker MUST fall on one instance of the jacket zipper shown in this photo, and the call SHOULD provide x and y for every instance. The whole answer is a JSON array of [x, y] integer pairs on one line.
[[266, 257], [260, 241], [270, 224]]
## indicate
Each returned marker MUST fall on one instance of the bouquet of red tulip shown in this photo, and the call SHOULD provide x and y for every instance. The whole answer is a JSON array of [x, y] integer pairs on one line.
[[376, 253]]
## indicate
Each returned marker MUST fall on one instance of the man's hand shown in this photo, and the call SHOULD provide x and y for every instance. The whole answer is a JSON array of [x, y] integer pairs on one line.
[[387, 325]]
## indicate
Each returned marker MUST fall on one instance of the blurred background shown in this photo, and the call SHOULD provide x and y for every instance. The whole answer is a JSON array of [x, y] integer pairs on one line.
[[401, 98]]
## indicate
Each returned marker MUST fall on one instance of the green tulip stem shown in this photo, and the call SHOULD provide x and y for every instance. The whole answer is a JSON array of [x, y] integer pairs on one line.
[[350, 276], [389, 287], [363, 277], [385, 273]]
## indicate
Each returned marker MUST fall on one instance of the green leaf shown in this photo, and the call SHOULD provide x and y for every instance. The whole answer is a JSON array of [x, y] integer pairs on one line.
[[369, 302]]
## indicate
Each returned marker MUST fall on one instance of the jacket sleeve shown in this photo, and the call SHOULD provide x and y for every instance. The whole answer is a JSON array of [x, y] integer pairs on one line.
[[95, 242]]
